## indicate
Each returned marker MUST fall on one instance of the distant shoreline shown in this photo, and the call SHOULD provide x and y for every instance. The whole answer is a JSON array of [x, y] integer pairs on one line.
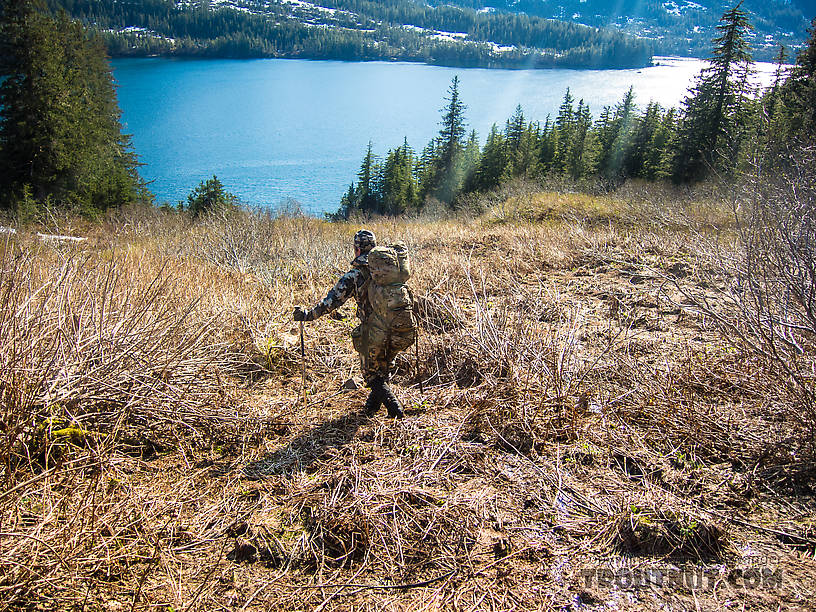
[[657, 61], [462, 65]]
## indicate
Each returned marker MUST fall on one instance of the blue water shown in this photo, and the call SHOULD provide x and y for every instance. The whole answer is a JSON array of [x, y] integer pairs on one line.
[[278, 129]]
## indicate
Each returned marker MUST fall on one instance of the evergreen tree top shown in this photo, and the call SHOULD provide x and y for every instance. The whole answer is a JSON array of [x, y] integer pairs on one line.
[[731, 46]]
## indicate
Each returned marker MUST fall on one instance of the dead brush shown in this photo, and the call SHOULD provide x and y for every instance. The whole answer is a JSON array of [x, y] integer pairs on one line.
[[97, 358], [758, 286], [649, 528], [375, 515], [525, 373], [281, 251], [86, 342]]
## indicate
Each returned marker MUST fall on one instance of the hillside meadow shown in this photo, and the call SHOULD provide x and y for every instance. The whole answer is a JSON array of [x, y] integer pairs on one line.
[[589, 422]]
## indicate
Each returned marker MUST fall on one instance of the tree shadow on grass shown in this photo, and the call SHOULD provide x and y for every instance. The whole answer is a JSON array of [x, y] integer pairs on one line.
[[307, 448]]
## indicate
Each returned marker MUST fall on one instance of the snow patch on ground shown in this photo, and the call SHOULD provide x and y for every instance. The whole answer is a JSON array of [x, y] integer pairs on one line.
[[674, 8], [437, 34], [235, 5], [140, 32], [301, 3], [458, 37], [450, 36]]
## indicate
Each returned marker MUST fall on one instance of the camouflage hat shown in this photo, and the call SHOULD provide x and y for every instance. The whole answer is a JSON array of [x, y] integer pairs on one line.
[[365, 240]]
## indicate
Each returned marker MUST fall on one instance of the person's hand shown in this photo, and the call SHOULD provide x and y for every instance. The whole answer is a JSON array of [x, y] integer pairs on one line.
[[301, 315]]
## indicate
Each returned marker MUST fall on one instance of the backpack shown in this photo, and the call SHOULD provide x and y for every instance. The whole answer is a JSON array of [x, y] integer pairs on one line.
[[391, 325]]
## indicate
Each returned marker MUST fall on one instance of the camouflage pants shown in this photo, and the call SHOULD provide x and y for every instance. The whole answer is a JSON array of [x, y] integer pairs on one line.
[[375, 362]]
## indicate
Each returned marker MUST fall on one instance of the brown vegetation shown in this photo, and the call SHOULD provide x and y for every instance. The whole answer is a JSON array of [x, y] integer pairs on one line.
[[582, 410]]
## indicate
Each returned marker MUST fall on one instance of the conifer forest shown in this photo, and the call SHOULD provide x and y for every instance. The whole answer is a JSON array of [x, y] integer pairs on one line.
[[355, 30]]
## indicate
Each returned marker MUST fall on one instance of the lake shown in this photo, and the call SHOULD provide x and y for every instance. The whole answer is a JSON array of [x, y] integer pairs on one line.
[[278, 129]]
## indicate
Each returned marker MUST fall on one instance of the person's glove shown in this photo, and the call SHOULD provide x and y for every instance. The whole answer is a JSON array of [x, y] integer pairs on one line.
[[302, 315]]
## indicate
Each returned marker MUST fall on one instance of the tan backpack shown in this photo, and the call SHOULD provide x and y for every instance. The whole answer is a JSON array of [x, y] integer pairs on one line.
[[392, 321]]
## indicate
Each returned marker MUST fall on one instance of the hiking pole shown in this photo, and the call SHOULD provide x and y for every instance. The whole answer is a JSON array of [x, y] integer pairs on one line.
[[416, 352], [303, 362]]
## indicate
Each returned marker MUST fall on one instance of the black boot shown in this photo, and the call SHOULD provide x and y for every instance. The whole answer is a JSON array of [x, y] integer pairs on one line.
[[374, 400], [391, 402]]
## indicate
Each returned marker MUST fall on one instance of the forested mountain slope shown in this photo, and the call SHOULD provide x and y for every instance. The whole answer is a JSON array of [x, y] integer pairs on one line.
[[354, 30], [675, 27], [488, 33]]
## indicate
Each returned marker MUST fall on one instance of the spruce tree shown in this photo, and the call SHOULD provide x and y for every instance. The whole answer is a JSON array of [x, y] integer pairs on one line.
[[795, 120], [210, 196], [564, 128], [546, 146], [398, 189], [492, 162], [470, 158], [771, 97], [524, 158], [615, 155], [514, 130], [522, 141], [60, 131], [709, 130], [583, 150], [348, 205], [642, 134], [453, 126], [606, 129], [658, 155], [427, 169], [450, 174], [366, 196]]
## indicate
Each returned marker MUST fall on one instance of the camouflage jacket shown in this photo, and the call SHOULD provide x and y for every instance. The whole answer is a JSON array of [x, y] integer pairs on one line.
[[352, 283]]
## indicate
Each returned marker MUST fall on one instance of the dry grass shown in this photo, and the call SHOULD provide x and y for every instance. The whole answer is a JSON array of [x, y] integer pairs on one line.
[[576, 416]]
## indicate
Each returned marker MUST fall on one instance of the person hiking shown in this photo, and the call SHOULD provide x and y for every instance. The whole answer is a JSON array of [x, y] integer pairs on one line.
[[384, 307]]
